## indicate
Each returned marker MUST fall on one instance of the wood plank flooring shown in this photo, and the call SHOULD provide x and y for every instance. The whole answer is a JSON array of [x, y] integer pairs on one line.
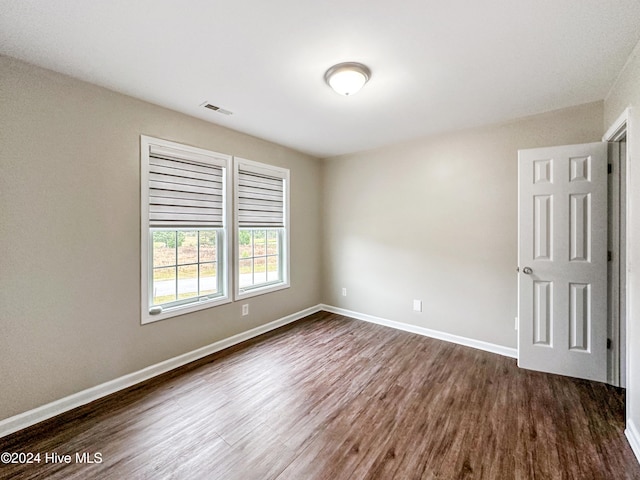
[[334, 398]]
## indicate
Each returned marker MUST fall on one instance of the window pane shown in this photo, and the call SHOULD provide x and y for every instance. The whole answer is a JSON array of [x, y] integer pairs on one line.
[[164, 285], [246, 277], [245, 244], [260, 270], [272, 269], [208, 279], [244, 237], [187, 247], [187, 281], [259, 242], [272, 242], [208, 246], [164, 248]]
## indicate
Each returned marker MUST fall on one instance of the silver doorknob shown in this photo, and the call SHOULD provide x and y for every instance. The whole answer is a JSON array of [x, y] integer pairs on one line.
[[527, 270]]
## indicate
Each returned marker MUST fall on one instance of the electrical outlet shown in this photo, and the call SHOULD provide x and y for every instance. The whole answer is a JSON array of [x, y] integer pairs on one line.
[[245, 309], [417, 305], [344, 292]]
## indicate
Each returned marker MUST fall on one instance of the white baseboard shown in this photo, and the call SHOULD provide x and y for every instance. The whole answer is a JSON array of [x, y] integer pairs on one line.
[[633, 435], [427, 332], [31, 417]]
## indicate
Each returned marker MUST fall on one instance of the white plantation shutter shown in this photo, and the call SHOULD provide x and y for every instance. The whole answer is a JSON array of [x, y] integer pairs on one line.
[[260, 200], [185, 190]]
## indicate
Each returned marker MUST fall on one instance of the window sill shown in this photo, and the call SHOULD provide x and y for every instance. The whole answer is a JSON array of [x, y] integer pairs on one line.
[[254, 292], [181, 309]]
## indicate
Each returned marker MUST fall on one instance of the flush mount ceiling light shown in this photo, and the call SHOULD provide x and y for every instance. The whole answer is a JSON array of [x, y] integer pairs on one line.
[[347, 78]]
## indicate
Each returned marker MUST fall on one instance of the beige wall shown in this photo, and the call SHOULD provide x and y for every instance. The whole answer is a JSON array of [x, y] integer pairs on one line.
[[626, 93], [436, 220], [70, 236]]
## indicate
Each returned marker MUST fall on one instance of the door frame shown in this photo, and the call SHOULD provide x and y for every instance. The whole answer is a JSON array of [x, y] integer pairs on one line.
[[618, 370]]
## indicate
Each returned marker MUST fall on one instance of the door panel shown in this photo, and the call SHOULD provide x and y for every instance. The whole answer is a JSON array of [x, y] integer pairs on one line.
[[562, 239]]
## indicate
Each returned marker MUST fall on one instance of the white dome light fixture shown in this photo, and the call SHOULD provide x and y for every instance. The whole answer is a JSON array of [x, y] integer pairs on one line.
[[347, 78]]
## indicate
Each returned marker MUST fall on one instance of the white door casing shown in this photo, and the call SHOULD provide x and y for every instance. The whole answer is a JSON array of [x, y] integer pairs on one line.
[[562, 258]]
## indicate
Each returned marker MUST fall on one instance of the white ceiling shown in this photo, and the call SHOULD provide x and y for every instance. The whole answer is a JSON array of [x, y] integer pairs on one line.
[[436, 65]]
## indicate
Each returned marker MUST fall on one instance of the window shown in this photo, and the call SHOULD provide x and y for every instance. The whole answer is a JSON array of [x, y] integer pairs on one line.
[[184, 202], [262, 220]]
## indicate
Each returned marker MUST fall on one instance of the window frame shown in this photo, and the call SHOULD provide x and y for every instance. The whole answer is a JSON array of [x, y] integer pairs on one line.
[[284, 266], [224, 266]]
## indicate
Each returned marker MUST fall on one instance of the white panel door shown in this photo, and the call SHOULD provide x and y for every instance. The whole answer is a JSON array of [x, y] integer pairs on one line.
[[562, 258]]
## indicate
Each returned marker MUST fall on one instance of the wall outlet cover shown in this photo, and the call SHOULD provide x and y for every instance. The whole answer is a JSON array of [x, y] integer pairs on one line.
[[417, 305]]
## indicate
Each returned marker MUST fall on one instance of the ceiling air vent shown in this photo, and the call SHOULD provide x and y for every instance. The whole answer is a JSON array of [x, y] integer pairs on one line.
[[216, 108]]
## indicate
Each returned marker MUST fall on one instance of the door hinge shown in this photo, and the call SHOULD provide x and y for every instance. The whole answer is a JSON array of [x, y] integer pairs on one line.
[[608, 344], [609, 167], [609, 256]]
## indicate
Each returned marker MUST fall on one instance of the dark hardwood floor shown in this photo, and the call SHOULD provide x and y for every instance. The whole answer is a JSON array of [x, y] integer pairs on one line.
[[334, 398]]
